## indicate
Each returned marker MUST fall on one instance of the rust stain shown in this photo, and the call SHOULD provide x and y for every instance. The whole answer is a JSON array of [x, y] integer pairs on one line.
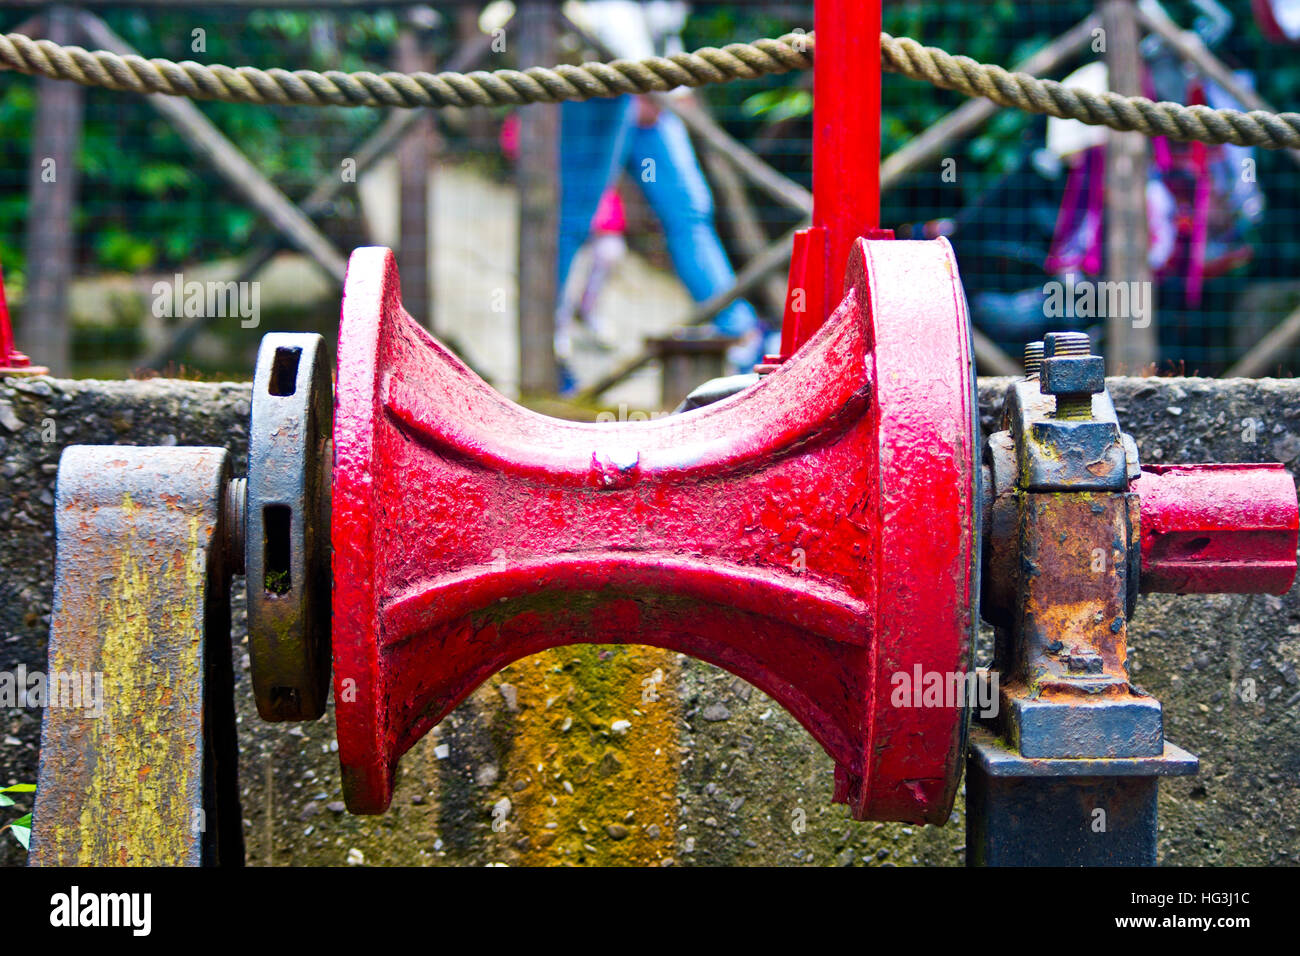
[[132, 766]]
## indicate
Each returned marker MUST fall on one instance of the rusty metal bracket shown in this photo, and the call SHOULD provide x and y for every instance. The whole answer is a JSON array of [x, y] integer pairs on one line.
[[1057, 454], [1076, 528], [286, 546], [138, 760]]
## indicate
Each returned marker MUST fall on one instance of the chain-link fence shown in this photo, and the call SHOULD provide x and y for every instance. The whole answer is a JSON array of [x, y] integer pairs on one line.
[[1022, 198]]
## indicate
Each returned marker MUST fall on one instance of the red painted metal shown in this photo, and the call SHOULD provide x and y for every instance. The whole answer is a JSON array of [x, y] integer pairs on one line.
[[846, 130], [806, 290], [11, 360], [1208, 529], [846, 164], [814, 534]]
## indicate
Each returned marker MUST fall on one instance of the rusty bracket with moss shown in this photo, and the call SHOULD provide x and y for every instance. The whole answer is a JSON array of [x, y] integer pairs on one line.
[[138, 752], [1066, 771], [142, 771]]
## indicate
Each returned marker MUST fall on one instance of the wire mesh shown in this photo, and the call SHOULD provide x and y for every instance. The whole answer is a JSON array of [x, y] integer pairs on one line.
[[1020, 198]]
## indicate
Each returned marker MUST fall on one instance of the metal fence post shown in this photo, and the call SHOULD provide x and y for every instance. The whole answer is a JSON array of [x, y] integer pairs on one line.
[[539, 193]]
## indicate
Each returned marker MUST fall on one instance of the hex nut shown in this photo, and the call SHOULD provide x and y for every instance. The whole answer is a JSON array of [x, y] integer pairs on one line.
[[1073, 375]]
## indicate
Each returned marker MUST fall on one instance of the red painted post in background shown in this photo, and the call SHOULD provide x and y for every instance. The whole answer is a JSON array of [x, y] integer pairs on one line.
[[846, 131], [12, 361], [846, 163]]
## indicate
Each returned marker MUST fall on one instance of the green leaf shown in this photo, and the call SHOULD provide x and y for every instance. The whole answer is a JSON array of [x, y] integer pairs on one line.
[[120, 250], [160, 179], [19, 788], [6, 801], [779, 104], [22, 830]]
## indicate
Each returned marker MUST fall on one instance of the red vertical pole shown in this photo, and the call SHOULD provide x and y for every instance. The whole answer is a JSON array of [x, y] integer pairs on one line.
[[12, 361], [846, 162], [6, 333], [846, 137]]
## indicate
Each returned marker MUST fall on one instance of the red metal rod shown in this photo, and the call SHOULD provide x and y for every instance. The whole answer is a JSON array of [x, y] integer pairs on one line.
[[846, 131], [6, 333], [846, 165], [1217, 529]]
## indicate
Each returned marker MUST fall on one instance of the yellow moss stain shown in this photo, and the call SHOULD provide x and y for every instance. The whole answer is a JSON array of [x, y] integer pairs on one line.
[[144, 760], [592, 764]]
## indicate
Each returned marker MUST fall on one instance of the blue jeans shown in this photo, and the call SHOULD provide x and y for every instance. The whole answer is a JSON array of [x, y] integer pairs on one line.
[[600, 136], [593, 136]]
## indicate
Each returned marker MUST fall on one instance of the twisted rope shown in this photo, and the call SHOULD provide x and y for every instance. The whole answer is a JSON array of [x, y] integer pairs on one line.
[[735, 61], [1021, 91]]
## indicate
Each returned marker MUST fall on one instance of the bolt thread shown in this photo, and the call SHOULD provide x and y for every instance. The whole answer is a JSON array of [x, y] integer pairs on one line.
[[1074, 407], [1069, 407], [1070, 343], [1033, 359]]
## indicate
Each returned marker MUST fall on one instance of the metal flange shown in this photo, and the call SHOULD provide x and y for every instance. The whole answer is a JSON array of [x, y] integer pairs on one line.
[[286, 541]]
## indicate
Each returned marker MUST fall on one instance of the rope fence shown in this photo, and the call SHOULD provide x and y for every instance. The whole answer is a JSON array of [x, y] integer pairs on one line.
[[794, 51]]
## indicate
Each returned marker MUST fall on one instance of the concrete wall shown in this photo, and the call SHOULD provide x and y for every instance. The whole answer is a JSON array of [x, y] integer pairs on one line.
[[711, 772]]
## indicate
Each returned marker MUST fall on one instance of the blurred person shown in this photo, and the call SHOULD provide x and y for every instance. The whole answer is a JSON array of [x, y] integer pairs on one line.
[[605, 248], [599, 138]]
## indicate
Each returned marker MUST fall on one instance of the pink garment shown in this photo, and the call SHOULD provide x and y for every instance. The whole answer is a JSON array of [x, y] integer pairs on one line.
[[610, 216], [1078, 240], [1278, 20], [1200, 162], [509, 137]]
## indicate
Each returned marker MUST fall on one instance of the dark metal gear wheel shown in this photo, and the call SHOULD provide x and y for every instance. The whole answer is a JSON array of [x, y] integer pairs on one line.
[[287, 532]]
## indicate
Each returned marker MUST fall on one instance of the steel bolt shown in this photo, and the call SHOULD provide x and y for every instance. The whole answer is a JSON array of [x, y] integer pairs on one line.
[[1059, 344], [1033, 359], [1072, 373]]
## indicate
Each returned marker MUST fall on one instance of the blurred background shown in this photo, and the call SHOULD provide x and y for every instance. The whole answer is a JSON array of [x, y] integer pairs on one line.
[[108, 211]]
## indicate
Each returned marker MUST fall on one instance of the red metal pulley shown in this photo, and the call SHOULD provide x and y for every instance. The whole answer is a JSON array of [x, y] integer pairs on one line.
[[814, 534]]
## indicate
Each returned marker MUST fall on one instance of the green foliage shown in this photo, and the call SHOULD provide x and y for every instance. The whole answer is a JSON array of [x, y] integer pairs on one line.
[[779, 104], [22, 827], [997, 31], [147, 202], [145, 199], [8, 801]]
